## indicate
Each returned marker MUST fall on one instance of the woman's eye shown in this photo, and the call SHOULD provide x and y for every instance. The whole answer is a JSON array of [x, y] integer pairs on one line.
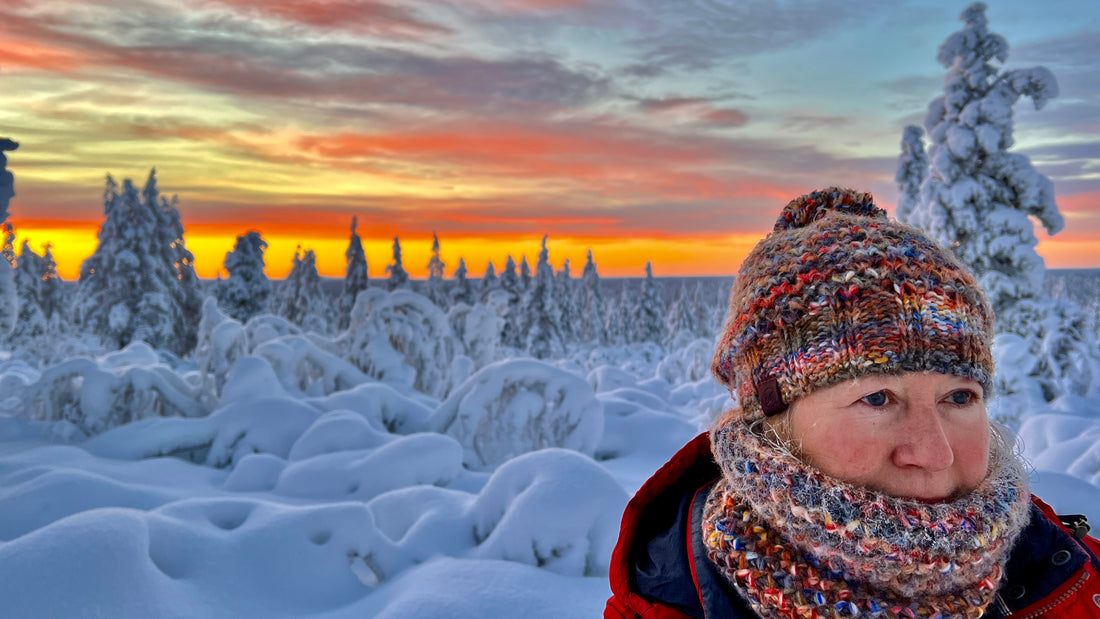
[[875, 399], [962, 398]]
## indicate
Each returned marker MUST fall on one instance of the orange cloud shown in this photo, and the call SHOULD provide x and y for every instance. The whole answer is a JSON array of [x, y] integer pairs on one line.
[[609, 161], [15, 52]]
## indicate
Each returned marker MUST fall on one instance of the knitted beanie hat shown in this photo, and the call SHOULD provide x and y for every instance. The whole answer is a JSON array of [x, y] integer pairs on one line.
[[837, 291]]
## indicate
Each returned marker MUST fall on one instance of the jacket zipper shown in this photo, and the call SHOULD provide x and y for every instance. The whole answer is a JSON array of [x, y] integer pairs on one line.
[[1061, 598]]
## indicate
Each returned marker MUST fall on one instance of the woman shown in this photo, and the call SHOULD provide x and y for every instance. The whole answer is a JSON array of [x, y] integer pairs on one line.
[[859, 475]]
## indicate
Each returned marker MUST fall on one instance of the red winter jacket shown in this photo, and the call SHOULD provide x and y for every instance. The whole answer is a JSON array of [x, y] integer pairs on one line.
[[659, 569]]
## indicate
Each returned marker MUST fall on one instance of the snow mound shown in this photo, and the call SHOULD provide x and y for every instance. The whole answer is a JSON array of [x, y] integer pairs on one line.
[[338, 430], [385, 408], [402, 336], [193, 558], [1063, 443], [358, 475], [83, 397], [302, 367], [512, 407], [262, 425], [552, 508], [688, 363], [479, 589]]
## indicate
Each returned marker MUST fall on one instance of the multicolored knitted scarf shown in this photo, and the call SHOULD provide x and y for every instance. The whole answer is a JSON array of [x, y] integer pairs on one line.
[[799, 544]]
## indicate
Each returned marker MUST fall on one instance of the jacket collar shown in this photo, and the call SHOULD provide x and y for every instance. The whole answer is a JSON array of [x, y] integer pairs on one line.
[[660, 558]]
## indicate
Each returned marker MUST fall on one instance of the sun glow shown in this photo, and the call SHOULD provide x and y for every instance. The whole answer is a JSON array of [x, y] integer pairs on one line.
[[615, 257]]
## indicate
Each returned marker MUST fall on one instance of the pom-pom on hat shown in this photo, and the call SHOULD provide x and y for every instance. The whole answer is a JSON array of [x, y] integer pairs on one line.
[[837, 291]]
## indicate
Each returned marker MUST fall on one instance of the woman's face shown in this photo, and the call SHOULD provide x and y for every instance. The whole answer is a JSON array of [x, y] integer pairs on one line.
[[922, 436]]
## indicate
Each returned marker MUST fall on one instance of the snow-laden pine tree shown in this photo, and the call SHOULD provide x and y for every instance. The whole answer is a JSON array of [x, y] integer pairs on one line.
[[513, 327], [9, 306], [463, 290], [680, 326], [435, 276], [593, 320], [703, 307], [10, 312], [489, 282], [912, 168], [544, 340], [567, 300], [524, 275], [173, 252], [398, 277], [355, 275], [618, 331], [29, 279], [648, 314], [133, 287], [978, 198], [52, 295], [247, 292], [300, 298], [41, 321], [7, 245]]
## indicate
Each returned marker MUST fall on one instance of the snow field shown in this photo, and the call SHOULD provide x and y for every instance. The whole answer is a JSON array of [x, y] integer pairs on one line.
[[297, 494], [271, 476]]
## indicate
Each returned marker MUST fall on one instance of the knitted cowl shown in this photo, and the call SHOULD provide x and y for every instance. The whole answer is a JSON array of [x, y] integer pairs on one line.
[[798, 543]]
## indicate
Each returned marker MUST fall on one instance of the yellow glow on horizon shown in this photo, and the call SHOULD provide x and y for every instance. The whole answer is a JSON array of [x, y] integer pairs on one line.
[[70, 245], [1069, 253], [718, 255]]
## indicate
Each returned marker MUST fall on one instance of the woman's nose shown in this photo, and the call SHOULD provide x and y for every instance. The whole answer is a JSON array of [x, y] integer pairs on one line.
[[923, 440]]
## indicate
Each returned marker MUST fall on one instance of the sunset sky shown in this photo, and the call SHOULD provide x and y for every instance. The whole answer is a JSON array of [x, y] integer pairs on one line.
[[663, 130]]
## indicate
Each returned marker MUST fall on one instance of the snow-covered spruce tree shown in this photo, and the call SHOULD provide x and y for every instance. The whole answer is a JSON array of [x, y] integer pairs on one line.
[[29, 277], [463, 290], [9, 307], [398, 277], [247, 292], [702, 306], [489, 282], [680, 327], [978, 198], [617, 330], [912, 168], [300, 298], [544, 339], [52, 295], [648, 314], [355, 275], [513, 327], [435, 276], [173, 252], [40, 304], [132, 287], [567, 300], [593, 319], [7, 245], [524, 275]]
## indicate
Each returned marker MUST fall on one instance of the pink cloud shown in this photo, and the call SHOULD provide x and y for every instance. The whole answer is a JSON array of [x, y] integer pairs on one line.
[[364, 16]]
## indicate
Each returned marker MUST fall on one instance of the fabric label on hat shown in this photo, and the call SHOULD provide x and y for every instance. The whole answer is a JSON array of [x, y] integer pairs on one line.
[[771, 402]]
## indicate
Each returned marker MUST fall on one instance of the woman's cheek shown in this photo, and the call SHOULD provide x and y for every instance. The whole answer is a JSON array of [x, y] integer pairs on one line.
[[848, 455]]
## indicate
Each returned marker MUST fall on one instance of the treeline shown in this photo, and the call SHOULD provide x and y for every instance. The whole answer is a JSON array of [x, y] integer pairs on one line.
[[140, 284]]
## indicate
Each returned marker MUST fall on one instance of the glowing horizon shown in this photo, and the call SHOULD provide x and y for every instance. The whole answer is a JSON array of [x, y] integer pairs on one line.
[[672, 257]]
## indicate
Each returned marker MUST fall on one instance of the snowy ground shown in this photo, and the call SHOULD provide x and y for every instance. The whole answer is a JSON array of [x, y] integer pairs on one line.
[[305, 488]]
